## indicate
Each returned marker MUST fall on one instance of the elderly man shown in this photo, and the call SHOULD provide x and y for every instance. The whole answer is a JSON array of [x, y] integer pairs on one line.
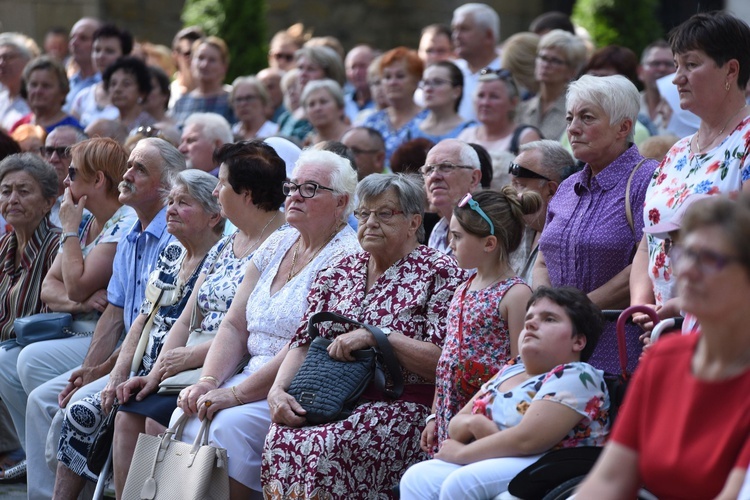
[[81, 43], [202, 135], [540, 167], [271, 80], [368, 148], [656, 62], [359, 98], [151, 165], [56, 151], [451, 170], [476, 33], [13, 57]]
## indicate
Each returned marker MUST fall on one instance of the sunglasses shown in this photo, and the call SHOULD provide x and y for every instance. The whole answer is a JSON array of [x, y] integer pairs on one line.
[[517, 170], [501, 74], [147, 131], [63, 152], [475, 206]]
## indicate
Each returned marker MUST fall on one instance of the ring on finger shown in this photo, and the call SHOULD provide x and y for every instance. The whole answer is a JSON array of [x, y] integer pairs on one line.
[[208, 403]]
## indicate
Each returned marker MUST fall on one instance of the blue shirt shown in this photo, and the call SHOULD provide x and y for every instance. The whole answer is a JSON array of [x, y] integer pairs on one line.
[[78, 83], [136, 256]]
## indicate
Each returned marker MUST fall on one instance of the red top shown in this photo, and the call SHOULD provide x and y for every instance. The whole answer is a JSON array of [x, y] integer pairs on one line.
[[688, 433]]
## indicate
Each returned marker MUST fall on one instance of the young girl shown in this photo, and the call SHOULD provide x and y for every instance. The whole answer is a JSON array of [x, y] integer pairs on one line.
[[486, 314]]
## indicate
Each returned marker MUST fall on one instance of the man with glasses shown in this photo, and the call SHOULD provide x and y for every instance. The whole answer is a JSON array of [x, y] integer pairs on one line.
[[656, 62], [450, 171], [368, 148], [57, 153], [13, 57]]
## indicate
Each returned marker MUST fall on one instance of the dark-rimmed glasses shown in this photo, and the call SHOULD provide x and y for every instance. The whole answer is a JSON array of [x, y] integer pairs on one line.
[[442, 168], [517, 170], [306, 189], [708, 261], [63, 152], [475, 206], [381, 215]]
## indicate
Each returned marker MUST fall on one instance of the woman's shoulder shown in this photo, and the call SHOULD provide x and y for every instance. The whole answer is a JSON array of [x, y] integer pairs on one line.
[[469, 133], [579, 374]]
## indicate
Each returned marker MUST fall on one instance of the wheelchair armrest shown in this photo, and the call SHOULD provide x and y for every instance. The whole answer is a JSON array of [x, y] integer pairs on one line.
[[552, 469]]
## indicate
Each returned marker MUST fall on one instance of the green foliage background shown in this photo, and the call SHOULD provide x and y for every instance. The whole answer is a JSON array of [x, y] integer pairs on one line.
[[240, 23]]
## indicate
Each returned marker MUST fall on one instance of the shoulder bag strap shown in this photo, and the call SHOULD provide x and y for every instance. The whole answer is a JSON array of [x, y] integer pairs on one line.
[[628, 207], [143, 341]]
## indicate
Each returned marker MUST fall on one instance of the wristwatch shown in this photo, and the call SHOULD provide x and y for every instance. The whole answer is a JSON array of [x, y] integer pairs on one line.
[[386, 331], [65, 237]]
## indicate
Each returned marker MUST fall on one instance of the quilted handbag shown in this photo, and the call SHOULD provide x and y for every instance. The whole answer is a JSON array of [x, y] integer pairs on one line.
[[39, 327], [328, 389], [165, 468]]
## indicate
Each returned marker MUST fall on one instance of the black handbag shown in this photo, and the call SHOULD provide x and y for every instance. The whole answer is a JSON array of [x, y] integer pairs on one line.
[[99, 450], [39, 327], [329, 389]]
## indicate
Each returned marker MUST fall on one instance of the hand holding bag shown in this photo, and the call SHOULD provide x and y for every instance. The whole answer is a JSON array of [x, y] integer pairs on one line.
[[164, 468], [328, 389], [39, 327]]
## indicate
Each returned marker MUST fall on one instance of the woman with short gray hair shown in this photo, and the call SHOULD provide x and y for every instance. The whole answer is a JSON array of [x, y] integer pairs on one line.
[[323, 101], [249, 100]]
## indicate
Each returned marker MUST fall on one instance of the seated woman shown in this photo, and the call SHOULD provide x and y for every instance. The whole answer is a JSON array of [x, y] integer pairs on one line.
[[546, 399], [77, 280], [194, 218], [249, 193], [395, 283], [128, 83], [266, 312], [442, 87], [249, 99], [664, 439], [323, 101]]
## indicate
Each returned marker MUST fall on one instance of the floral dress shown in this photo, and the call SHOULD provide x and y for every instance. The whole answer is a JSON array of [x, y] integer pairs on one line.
[[365, 455], [579, 386], [723, 170], [393, 138], [484, 343]]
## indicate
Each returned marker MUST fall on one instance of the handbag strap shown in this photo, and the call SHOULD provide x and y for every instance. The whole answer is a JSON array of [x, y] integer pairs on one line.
[[384, 348], [143, 340]]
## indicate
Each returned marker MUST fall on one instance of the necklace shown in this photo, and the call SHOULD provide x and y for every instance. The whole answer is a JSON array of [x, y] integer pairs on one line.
[[698, 134], [292, 273], [258, 240]]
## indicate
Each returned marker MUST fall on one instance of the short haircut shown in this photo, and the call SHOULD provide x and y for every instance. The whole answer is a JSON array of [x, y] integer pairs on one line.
[[375, 136], [586, 317], [17, 42], [483, 15], [456, 77], [552, 20], [555, 158], [340, 149], [8, 144], [255, 83], [215, 42], [571, 45], [328, 60], [191, 33], [104, 155], [409, 191], [720, 35], [615, 94], [46, 63], [466, 154], [414, 65], [200, 186], [330, 86], [33, 164], [162, 81], [214, 126], [410, 156], [109, 30], [658, 44], [79, 134], [438, 29], [621, 59], [485, 162], [173, 162], [256, 167], [343, 176], [132, 66]]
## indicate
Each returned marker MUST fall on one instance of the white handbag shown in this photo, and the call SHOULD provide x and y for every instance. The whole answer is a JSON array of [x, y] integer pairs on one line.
[[165, 468]]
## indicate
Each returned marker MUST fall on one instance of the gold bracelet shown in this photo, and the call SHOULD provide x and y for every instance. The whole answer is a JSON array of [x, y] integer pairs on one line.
[[236, 396], [210, 377]]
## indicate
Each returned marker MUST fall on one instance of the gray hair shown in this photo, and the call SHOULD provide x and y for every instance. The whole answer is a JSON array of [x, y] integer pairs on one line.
[[79, 134], [200, 186], [555, 158], [572, 45], [42, 172], [343, 176], [255, 83], [18, 43], [173, 162], [409, 190], [483, 15], [214, 126], [466, 154], [333, 88], [615, 94], [327, 59]]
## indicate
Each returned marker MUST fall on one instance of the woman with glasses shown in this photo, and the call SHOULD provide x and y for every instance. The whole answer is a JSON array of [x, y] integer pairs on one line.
[[683, 430], [594, 220], [442, 88], [249, 99], [560, 57], [404, 289], [266, 312]]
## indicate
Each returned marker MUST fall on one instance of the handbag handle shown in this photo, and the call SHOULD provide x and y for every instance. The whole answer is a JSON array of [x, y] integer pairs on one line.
[[384, 348]]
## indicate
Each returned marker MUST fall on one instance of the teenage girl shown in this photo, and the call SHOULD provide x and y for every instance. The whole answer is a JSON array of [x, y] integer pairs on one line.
[[487, 312]]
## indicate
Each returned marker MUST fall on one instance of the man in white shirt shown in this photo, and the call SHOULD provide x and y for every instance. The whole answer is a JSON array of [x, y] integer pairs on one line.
[[13, 57]]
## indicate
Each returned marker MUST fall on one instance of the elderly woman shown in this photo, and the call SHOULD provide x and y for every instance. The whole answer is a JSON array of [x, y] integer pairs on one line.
[[249, 99], [713, 58], [495, 102], [519, 57], [77, 280], [400, 286], [194, 218], [664, 439], [594, 221], [442, 87], [249, 192], [560, 57], [547, 398], [128, 83], [45, 88], [400, 73], [209, 65], [266, 312], [323, 101], [28, 189]]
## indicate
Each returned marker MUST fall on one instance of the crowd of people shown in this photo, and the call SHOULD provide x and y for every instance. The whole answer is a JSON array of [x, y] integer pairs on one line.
[[478, 202]]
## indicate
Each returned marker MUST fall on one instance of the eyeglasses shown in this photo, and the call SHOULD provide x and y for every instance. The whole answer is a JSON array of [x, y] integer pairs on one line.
[[63, 152], [382, 215], [9, 57], [306, 189], [708, 261], [552, 61], [186, 54], [245, 98], [72, 171], [147, 131], [435, 82], [517, 170], [475, 206], [282, 56], [442, 168]]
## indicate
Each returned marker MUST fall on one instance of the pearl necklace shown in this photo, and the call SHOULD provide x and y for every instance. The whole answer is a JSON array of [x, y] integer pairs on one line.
[[698, 134]]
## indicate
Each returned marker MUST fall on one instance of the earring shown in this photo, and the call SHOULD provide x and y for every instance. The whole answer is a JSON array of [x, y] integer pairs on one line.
[[726, 86]]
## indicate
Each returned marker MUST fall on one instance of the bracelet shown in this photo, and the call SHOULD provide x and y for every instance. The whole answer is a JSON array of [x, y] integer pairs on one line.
[[236, 396], [210, 377], [429, 419]]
